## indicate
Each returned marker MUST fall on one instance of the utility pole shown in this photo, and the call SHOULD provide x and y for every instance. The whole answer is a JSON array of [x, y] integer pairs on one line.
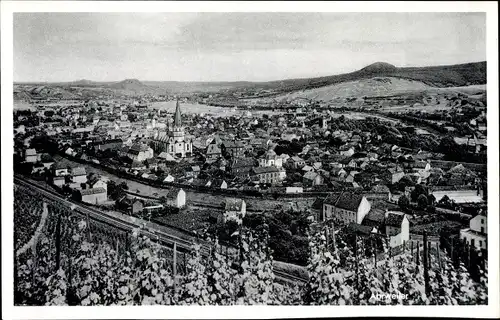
[[426, 265], [58, 242]]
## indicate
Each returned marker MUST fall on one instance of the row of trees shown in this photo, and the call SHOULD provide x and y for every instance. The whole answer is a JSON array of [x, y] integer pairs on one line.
[[91, 271]]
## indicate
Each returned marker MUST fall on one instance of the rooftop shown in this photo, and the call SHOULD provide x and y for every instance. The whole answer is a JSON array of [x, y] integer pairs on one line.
[[78, 171], [87, 192]]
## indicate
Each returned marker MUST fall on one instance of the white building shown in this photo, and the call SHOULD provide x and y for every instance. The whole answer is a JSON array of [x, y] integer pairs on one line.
[[235, 209], [176, 198], [94, 195], [347, 207], [31, 156], [79, 175], [397, 227], [476, 234], [271, 159]]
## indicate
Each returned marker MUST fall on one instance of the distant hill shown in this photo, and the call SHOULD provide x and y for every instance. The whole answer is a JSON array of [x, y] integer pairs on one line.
[[129, 84], [378, 68], [437, 76]]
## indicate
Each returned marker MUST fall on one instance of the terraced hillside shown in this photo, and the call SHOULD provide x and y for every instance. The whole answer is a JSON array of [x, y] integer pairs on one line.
[[373, 87]]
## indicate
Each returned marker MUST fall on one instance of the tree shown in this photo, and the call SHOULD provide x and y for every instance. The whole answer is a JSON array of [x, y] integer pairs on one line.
[[419, 189], [432, 199], [422, 201], [115, 191], [451, 149], [403, 202]]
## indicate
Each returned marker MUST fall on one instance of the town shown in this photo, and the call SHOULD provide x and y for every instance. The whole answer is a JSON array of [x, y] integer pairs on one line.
[[332, 168], [319, 162]]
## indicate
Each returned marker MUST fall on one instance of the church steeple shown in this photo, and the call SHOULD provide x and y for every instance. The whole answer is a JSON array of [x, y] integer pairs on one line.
[[177, 116]]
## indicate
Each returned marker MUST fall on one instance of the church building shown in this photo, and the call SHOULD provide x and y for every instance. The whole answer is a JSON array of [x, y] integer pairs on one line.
[[174, 141]]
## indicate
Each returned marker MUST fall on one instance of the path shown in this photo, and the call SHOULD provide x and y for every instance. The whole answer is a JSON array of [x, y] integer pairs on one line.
[[38, 231]]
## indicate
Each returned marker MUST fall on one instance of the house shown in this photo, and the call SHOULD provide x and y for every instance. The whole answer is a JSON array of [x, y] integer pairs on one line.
[[94, 195], [47, 160], [169, 178], [176, 197], [97, 182], [270, 158], [166, 157], [392, 175], [375, 218], [346, 207], [140, 152], [347, 151], [136, 165], [137, 207], [193, 172], [294, 190], [307, 168], [270, 175], [241, 167], [477, 232], [361, 230], [152, 163], [296, 162], [70, 152], [79, 175], [31, 156], [235, 209], [312, 178], [37, 168], [59, 181], [421, 166], [232, 148], [213, 151], [112, 144], [60, 169], [317, 208], [397, 227]]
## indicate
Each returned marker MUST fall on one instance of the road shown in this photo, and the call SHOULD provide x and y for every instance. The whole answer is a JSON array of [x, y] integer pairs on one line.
[[164, 235]]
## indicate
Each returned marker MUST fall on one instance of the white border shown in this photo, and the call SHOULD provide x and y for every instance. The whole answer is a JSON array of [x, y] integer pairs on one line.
[[9, 311]]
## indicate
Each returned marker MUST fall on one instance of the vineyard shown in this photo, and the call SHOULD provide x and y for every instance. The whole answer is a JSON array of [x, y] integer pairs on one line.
[[27, 215], [76, 261]]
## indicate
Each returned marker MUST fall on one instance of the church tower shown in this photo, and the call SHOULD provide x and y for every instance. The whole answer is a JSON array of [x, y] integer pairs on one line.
[[178, 129], [177, 144]]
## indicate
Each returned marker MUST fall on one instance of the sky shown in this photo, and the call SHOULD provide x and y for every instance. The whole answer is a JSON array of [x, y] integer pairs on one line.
[[236, 46]]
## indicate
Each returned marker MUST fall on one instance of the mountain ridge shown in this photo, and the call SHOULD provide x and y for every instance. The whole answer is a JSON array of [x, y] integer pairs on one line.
[[435, 76]]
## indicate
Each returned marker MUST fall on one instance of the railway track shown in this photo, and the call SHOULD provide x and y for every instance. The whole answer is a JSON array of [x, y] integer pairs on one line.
[[161, 233], [165, 236]]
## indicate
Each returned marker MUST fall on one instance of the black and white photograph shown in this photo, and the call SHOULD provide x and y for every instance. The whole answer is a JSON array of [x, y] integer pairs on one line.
[[264, 158]]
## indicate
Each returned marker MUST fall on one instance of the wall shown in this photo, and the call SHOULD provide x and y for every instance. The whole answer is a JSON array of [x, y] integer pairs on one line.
[[364, 208], [476, 224]]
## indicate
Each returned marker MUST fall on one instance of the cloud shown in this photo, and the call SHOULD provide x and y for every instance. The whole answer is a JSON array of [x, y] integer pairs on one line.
[[236, 46]]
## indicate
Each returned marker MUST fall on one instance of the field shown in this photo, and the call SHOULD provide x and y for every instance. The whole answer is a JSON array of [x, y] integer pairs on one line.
[[374, 87]]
